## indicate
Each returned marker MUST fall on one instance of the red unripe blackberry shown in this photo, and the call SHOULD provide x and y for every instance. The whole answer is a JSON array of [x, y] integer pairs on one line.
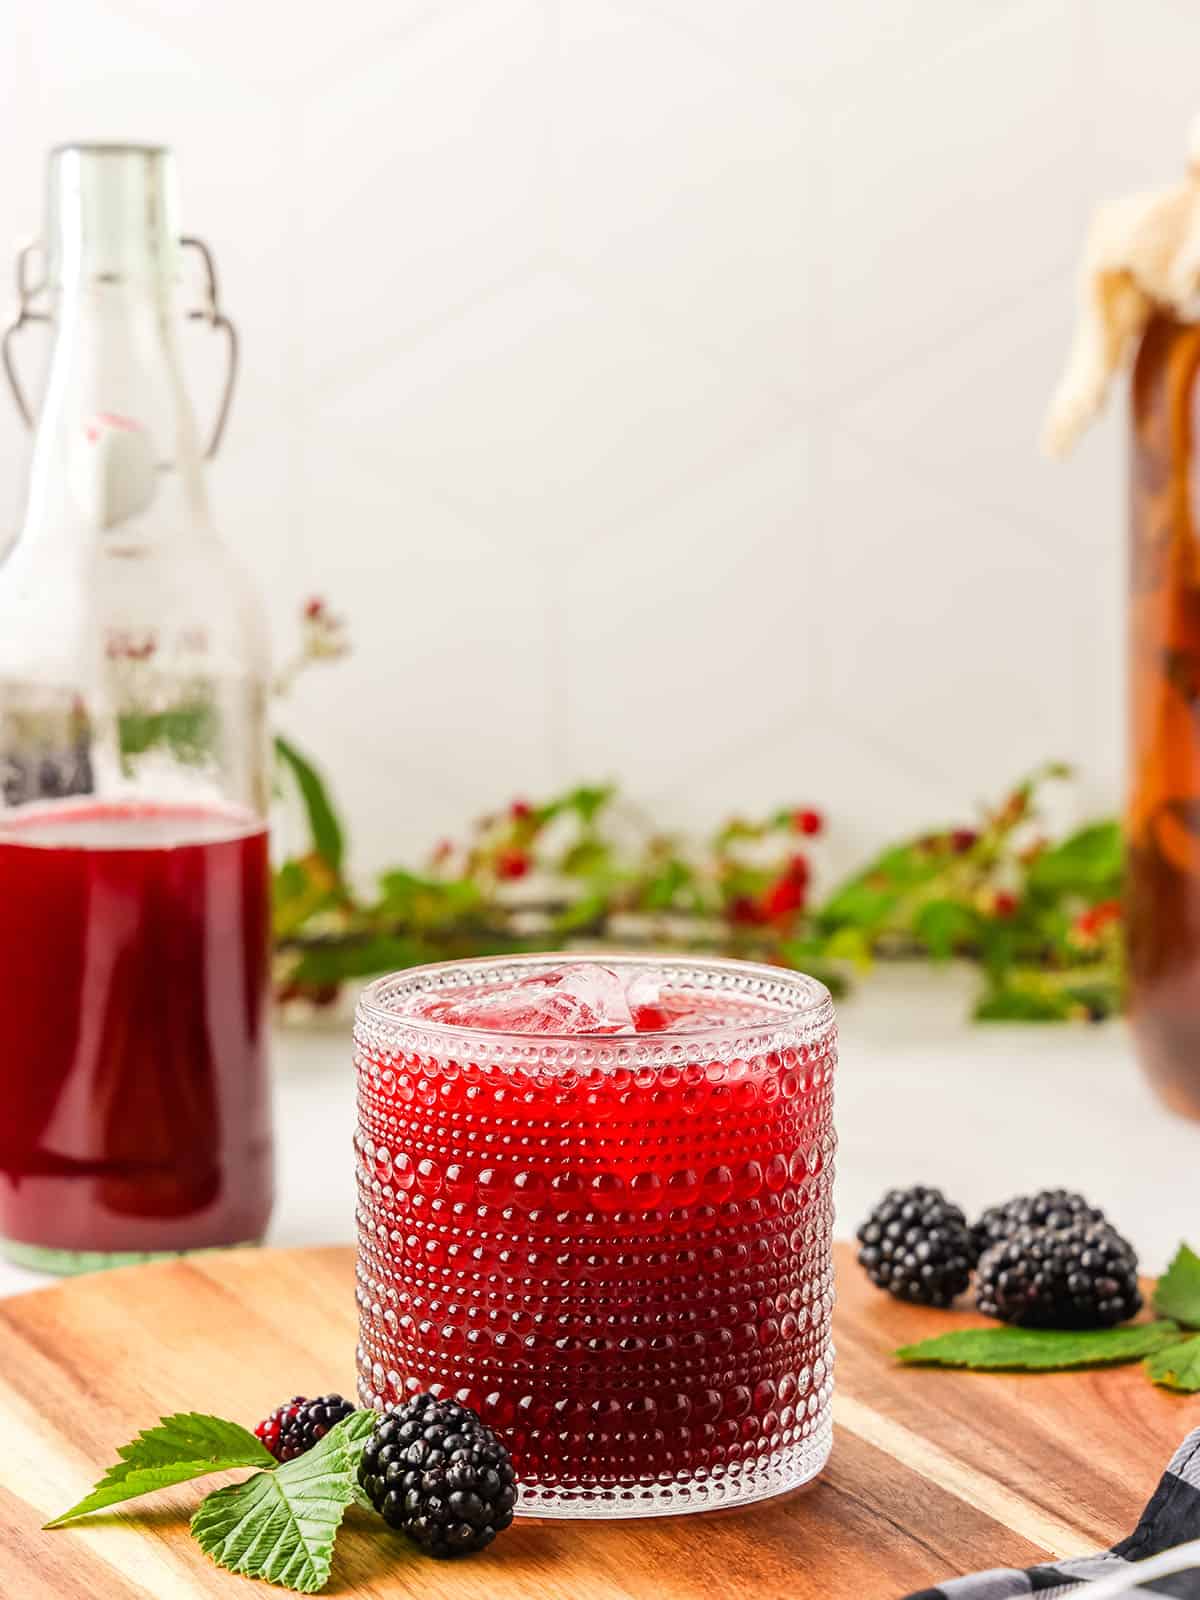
[[295, 1427]]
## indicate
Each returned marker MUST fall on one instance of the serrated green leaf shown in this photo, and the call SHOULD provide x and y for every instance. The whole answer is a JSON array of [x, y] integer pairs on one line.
[[1177, 1367], [355, 1430], [1177, 1293], [323, 822], [281, 1525], [183, 1446], [361, 1498], [1039, 1349]]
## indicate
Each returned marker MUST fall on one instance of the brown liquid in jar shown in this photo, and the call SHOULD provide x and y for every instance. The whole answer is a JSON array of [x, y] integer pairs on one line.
[[1163, 815]]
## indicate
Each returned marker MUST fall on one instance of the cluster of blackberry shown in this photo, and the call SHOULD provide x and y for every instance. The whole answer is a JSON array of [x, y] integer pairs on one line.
[[431, 1468], [1045, 1260]]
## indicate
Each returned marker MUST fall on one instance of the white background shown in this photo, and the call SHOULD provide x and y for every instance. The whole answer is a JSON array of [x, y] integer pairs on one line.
[[653, 383]]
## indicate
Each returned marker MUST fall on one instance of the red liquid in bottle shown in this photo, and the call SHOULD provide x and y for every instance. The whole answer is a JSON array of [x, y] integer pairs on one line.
[[134, 950]]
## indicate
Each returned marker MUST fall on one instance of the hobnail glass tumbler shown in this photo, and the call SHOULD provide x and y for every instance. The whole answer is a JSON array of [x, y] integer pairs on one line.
[[614, 1246]]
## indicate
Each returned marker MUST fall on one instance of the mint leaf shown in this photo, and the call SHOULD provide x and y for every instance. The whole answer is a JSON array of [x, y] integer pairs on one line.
[[186, 1445], [1177, 1293], [1177, 1367], [1039, 1349], [281, 1525]]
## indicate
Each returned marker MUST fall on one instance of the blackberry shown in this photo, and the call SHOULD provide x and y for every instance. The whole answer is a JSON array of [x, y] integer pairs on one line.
[[917, 1246], [435, 1472], [1049, 1208], [295, 1427], [1081, 1276]]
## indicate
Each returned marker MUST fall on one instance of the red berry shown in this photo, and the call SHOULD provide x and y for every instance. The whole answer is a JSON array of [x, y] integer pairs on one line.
[[269, 1428], [961, 839], [519, 810], [783, 899], [798, 870], [744, 911], [807, 821], [1093, 921], [314, 608], [296, 1426], [512, 864], [1004, 904]]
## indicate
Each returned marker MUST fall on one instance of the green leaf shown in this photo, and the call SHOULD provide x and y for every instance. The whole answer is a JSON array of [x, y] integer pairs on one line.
[[662, 891], [430, 902], [281, 1525], [186, 1445], [850, 944], [323, 823], [589, 909], [586, 856], [1177, 1293], [944, 925], [362, 1499], [586, 802], [334, 961], [1089, 863], [355, 1430], [1039, 1349], [1022, 1005], [872, 896], [289, 881], [300, 890], [1177, 1367], [189, 731]]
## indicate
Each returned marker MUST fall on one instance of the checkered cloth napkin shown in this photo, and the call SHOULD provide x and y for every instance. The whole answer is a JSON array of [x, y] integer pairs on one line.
[[1172, 1518]]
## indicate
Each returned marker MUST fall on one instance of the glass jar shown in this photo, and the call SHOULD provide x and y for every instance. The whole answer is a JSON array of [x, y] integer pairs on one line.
[[134, 886], [1163, 817], [614, 1245]]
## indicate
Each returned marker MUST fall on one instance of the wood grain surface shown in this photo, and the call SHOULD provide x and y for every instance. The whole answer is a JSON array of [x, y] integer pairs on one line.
[[932, 1472]]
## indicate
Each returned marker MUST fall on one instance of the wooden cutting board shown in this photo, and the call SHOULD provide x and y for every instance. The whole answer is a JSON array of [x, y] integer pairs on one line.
[[933, 1473]]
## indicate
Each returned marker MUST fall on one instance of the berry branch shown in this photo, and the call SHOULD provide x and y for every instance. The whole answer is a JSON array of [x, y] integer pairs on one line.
[[1040, 918]]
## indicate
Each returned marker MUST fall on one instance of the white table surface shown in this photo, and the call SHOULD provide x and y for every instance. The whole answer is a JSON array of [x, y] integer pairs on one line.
[[983, 1112]]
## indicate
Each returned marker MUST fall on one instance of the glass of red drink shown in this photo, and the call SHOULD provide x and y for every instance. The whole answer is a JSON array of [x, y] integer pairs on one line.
[[595, 1205]]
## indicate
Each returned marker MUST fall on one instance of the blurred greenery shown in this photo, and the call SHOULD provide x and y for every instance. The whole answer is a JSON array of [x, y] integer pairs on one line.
[[1038, 917]]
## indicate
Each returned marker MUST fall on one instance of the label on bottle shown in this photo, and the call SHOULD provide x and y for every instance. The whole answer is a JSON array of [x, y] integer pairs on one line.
[[112, 470]]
